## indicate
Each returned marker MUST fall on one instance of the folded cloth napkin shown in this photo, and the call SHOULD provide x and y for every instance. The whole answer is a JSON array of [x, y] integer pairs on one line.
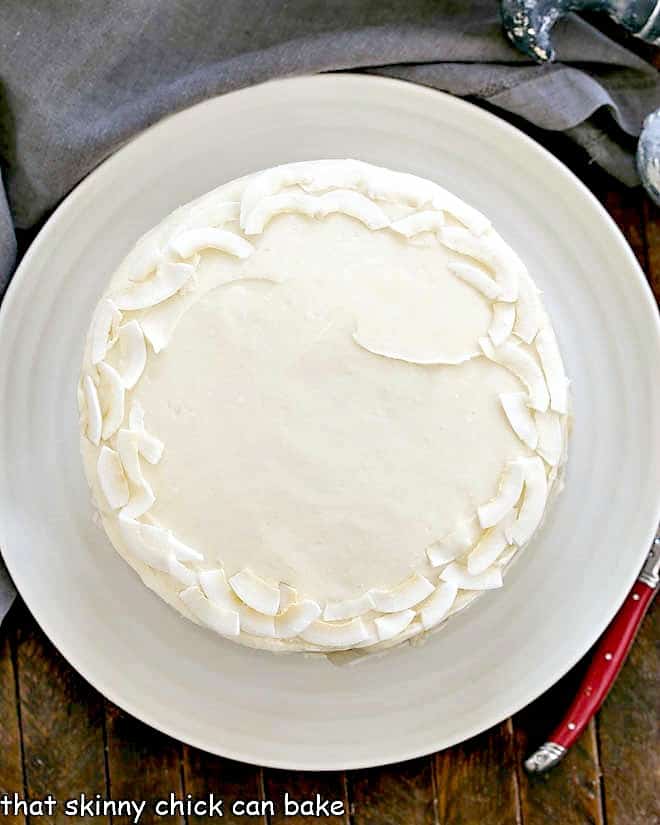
[[79, 79]]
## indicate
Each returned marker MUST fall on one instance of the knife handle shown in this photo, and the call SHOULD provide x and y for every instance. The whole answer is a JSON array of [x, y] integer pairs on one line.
[[606, 663]]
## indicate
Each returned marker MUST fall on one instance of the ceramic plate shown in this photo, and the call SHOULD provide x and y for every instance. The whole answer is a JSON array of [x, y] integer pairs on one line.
[[489, 661]]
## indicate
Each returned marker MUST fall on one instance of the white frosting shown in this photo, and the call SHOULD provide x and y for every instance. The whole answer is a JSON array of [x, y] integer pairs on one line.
[[333, 482]]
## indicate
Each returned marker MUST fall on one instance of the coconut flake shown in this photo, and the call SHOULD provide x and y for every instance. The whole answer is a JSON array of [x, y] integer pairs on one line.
[[459, 576], [188, 243], [520, 418], [160, 321], [256, 623], [548, 350], [349, 203], [501, 323], [111, 478], [255, 592], [405, 595], [345, 634], [476, 278], [455, 544], [514, 358], [412, 225], [296, 618], [132, 353], [155, 554], [533, 504], [146, 256], [490, 251], [374, 181], [391, 625], [149, 447], [288, 596], [167, 281], [215, 586], [491, 546], [527, 309], [142, 497], [94, 426], [111, 397], [182, 552], [224, 622], [436, 607], [347, 609], [550, 444], [510, 489], [104, 329]]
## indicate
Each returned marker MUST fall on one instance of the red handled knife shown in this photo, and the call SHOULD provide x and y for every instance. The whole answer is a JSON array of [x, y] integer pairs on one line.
[[608, 658]]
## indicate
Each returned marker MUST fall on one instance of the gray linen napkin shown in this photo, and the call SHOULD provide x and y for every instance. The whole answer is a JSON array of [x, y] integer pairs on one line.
[[79, 79]]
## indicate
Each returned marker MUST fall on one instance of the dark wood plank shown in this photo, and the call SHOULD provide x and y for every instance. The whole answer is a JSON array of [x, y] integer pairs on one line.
[[205, 774], [629, 733], [477, 780], [394, 794], [11, 755], [571, 792], [143, 765], [652, 238], [62, 725], [302, 787], [626, 206]]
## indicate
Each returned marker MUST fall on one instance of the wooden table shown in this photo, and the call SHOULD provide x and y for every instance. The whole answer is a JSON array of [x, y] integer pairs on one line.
[[59, 736]]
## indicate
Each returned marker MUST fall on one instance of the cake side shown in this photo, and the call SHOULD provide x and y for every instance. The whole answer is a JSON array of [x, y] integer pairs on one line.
[[375, 341]]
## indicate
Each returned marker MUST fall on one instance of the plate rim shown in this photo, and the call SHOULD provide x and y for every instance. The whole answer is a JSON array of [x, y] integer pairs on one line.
[[432, 96]]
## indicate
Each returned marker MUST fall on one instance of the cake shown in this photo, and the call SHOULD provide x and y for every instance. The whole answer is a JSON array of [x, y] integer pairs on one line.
[[322, 408]]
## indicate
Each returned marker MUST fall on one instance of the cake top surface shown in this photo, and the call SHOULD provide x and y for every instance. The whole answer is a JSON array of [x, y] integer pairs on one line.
[[322, 407]]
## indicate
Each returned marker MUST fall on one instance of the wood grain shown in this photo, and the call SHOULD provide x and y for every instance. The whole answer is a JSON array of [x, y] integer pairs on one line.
[[477, 780], [652, 238], [11, 754], [629, 733], [62, 724], [394, 794], [205, 774], [301, 786], [143, 764], [571, 793]]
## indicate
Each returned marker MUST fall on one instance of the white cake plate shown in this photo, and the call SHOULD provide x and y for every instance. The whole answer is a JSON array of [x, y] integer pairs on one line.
[[488, 662]]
